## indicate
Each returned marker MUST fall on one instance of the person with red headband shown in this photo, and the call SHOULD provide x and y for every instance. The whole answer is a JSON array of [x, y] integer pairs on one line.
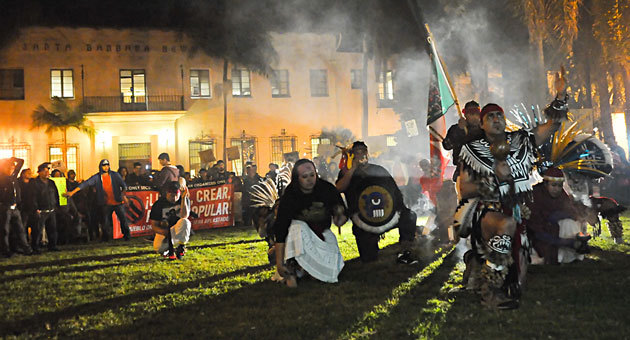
[[557, 227], [494, 182], [466, 130], [169, 221]]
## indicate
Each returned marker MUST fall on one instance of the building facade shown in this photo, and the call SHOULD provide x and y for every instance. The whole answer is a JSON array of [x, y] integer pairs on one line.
[[150, 91]]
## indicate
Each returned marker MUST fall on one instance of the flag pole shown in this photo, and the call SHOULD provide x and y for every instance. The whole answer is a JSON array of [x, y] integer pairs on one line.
[[448, 77]]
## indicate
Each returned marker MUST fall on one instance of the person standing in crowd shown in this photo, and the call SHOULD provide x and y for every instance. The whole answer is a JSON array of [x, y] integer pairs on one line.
[[27, 209], [123, 172], [137, 176], [322, 168], [169, 173], [169, 221], [249, 180], [110, 189], [467, 129], [45, 203], [71, 182], [302, 229], [10, 201], [222, 174], [56, 173], [273, 172], [181, 177], [202, 176]]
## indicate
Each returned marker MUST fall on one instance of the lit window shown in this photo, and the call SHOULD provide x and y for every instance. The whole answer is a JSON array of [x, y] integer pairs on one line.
[[281, 145], [61, 83], [355, 79], [247, 149], [199, 83], [319, 83], [11, 84], [132, 86], [20, 150], [315, 143], [385, 89], [194, 147], [241, 86], [280, 83], [55, 154]]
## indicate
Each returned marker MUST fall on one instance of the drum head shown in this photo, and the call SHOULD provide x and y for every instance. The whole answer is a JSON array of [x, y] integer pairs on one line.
[[376, 205]]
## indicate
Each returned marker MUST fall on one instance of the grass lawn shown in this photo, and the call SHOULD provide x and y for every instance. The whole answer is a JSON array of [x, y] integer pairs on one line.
[[222, 289]]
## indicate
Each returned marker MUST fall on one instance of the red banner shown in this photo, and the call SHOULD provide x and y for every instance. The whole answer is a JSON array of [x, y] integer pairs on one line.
[[212, 203]]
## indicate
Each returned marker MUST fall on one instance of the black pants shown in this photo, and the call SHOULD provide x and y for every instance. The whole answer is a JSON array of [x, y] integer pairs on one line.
[[48, 220], [108, 225], [11, 225], [367, 242]]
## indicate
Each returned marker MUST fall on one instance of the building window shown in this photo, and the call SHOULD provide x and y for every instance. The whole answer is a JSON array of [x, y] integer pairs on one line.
[[200, 83], [55, 153], [247, 149], [355, 79], [61, 83], [194, 147], [319, 83], [280, 83], [281, 145], [385, 89], [11, 84], [129, 153], [18, 150], [132, 86], [241, 85], [316, 141]]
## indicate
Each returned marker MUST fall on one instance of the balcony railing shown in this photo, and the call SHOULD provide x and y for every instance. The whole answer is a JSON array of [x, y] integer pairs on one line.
[[138, 103]]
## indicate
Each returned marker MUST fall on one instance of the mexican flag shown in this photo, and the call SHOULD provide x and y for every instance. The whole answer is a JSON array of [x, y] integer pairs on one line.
[[441, 98]]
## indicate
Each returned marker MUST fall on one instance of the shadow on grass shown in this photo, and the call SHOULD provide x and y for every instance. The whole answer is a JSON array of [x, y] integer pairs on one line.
[[212, 245], [581, 300], [74, 260], [107, 257], [74, 269], [402, 317], [36, 322], [267, 309]]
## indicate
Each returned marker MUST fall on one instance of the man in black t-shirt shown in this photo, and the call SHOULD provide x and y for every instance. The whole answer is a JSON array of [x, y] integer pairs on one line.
[[375, 205], [169, 221]]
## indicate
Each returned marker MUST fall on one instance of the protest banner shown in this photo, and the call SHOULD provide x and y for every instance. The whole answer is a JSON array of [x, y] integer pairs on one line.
[[211, 207]]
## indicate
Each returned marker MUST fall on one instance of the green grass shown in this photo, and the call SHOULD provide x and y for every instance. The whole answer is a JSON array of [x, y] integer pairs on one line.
[[222, 289]]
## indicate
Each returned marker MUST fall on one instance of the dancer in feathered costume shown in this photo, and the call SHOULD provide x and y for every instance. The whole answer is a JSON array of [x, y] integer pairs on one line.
[[495, 181], [265, 197], [584, 158]]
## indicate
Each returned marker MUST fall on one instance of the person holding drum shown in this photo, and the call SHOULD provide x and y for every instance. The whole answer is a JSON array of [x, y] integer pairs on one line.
[[375, 205]]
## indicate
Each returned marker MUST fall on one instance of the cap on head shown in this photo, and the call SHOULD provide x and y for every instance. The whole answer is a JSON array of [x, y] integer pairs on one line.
[[471, 107], [220, 161], [172, 187], [164, 156], [490, 108], [43, 166], [359, 144], [553, 174]]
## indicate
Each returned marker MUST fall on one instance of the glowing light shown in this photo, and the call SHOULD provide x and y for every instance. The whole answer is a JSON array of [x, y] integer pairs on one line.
[[619, 129]]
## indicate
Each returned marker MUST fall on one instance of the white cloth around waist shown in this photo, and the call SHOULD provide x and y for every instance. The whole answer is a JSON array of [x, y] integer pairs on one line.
[[180, 234], [320, 258]]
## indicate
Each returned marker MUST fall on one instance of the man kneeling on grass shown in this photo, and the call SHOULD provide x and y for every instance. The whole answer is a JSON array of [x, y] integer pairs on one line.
[[304, 241], [169, 220]]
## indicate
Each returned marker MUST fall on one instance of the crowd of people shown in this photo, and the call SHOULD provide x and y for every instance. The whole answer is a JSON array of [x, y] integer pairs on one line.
[[508, 219]]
